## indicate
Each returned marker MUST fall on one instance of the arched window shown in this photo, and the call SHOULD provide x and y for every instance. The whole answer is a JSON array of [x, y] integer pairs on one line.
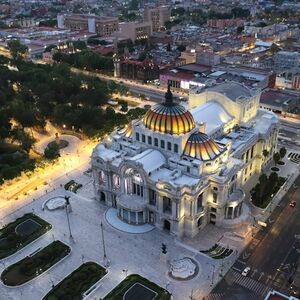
[[199, 202], [102, 178], [116, 181]]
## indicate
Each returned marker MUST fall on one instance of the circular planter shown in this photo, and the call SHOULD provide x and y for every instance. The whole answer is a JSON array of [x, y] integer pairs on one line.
[[184, 269], [275, 169], [61, 144]]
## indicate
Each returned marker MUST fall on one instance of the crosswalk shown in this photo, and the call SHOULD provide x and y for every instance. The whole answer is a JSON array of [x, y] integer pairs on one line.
[[248, 283], [215, 296]]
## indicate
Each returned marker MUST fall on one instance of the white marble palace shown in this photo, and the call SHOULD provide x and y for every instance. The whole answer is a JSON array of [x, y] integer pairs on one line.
[[181, 168]]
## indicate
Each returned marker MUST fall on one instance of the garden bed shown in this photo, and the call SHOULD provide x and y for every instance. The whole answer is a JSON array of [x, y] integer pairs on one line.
[[275, 169], [134, 285], [72, 186], [32, 266], [217, 252], [16, 235], [77, 283], [61, 144], [263, 202]]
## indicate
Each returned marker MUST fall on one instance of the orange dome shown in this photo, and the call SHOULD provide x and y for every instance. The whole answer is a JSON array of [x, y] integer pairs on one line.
[[201, 146], [169, 117]]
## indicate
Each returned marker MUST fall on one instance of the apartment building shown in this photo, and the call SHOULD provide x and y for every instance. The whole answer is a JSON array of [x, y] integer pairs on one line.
[[158, 16], [102, 26]]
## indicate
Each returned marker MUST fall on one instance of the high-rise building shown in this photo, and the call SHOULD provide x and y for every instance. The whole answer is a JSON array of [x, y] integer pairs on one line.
[[158, 16], [136, 31]]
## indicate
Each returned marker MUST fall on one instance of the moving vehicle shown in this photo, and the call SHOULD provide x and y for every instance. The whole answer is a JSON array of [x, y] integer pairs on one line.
[[246, 271]]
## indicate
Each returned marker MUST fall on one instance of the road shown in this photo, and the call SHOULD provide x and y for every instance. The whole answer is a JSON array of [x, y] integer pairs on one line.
[[272, 255], [156, 93]]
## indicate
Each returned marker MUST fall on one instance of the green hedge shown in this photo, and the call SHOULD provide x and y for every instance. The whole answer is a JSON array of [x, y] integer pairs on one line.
[[118, 292], [16, 242], [32, 266], [76, 283]]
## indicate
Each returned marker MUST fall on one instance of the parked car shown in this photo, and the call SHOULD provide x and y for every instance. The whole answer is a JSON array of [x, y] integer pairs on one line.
[[293, 204], [246, 271]]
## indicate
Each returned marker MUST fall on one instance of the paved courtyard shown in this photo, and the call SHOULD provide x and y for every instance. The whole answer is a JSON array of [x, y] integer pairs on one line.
[[137, 253]]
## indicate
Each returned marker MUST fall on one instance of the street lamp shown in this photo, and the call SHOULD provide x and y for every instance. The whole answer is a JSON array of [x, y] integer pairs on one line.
[[67, 198], [103, 244]]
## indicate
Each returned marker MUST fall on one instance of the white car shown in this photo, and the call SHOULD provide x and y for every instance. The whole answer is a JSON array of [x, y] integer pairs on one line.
[[246, 271]]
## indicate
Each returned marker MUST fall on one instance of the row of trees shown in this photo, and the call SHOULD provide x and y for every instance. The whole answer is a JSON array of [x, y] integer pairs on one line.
[[85, 59], [265, 189], [200, 17], [277, 156]]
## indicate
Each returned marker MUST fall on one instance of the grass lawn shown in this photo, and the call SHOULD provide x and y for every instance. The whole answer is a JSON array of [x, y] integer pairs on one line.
[[76, 283], [16, 235], [138, 292], [32, 266]]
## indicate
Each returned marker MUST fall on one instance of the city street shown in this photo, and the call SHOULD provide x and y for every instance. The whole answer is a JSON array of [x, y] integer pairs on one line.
[[272, 255]]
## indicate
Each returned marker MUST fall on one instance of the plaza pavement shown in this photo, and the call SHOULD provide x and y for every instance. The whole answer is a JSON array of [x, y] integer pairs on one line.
[[137, 253]]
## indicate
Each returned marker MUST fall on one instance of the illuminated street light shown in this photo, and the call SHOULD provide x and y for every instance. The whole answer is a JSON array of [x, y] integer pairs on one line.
[[67, 198]]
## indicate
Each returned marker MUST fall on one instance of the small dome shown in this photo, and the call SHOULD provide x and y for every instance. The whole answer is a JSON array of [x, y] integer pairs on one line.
[[169, 117], [201, 146]]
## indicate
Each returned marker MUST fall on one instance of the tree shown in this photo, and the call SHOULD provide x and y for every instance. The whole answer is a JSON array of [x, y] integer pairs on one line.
[[274, 48], [263, 180], [265, 153], [181, 48], [80, 45], [142, 56], [52, 151], [282, 152], [276, 158], [124, 106], [16, 49], [239, 29], [48, 23]]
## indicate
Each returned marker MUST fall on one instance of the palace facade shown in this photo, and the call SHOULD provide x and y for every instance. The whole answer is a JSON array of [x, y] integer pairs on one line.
[[180, 168]]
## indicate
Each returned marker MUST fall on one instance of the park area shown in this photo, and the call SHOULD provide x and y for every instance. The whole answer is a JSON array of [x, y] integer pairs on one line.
[[16, 235], [77, 283], [135, 287], [35, 264]]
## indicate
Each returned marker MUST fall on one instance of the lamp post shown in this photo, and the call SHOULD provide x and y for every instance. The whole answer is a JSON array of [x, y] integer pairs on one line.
[[103, 242], [125, 271], [67, 212]]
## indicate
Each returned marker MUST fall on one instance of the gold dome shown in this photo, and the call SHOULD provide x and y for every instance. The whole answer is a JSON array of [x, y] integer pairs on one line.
[[169, 117], [201, 146]]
